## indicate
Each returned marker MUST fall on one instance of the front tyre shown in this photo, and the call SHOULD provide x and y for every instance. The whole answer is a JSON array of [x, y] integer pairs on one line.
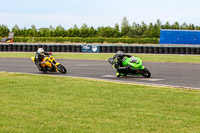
[[146, 73], [61, 69]]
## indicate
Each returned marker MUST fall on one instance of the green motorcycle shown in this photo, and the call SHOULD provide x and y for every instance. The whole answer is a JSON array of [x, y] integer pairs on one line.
[[131, 66]]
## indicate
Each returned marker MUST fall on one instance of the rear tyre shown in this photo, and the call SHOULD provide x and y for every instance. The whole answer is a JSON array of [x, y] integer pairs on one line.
[[61, 69], [146, 73]]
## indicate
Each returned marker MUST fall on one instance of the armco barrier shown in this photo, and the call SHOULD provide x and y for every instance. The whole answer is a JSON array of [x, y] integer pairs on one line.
[[102, 48]]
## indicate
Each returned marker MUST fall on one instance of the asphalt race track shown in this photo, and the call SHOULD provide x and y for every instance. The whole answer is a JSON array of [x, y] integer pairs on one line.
[[186, 75]]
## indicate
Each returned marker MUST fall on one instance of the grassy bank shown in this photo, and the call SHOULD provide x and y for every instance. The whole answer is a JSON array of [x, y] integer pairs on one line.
[[31, 103], [144, 57]]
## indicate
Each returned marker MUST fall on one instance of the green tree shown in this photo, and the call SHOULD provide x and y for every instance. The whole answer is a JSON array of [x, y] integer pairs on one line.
[[116, 31], [166, 26], [16, 30], [84, 31], [125, 27], [176, 25], [60, 31], [4, 31]]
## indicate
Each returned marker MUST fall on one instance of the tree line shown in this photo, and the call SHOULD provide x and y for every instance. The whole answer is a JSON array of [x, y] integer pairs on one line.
[[125, 30]]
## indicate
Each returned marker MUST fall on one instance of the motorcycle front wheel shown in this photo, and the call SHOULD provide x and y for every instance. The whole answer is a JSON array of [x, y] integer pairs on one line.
[[62, 69], [146, 73]]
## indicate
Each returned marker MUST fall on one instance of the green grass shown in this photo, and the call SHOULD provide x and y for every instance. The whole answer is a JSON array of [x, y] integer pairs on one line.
[[144, 57], [35, 103]]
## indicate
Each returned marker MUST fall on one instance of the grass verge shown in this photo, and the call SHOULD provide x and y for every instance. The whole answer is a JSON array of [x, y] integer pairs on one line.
[[36, 103], [100, 56]]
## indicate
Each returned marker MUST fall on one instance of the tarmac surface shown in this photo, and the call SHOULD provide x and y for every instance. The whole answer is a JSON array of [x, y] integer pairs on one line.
[[181, 75]]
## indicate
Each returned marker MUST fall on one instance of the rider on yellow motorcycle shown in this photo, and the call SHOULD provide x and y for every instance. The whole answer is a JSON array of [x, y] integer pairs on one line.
[[39, 58]]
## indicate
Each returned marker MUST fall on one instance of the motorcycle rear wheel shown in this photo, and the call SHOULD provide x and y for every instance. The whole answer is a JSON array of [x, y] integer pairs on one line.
[[146, 73], [62, 69]]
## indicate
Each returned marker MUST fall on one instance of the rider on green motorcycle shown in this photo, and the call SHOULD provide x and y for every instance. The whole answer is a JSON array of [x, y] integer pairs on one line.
[[117, 61]]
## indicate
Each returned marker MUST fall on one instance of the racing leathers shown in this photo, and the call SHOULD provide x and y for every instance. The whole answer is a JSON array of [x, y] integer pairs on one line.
[[39, 59], [117, 63]]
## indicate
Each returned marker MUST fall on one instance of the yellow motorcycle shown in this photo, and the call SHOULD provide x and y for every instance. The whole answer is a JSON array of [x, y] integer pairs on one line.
[[50, 64]]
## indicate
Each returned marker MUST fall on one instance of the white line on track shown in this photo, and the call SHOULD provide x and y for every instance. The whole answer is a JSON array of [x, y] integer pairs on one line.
[[146, 79]]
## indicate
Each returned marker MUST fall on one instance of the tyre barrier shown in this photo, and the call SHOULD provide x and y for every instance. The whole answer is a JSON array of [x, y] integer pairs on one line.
[[34, 48], [114, 49], [166, 50], [198, 51], [171, 50], [140, 49], [69, 48], [125, 49], [78, 48], [5, 47], [119, 48], [29, 48], [155, 50], [109, 49], [15, 47], [1, 47], [10, 47], [182, 50], [73, 48], [44, 47], [102, 48], [63, 48], [135, 49], [188, 50], [145, 49], [130, 49], [151, 50]]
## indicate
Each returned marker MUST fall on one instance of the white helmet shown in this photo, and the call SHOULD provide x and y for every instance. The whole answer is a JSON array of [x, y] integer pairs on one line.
[[40, 51], [120, 53]]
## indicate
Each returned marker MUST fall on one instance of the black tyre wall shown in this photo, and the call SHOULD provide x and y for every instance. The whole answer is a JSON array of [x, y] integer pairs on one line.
[[78, 48], [188, 50], [29, 48], [1, 47], [109, 49], [182, 50], [5, 47], [125, 49], [10, 47], [63, 48], [15, 47], [102, 49], [69, 48], [140, 49], [73, 48], [130, 49], [114, 49]]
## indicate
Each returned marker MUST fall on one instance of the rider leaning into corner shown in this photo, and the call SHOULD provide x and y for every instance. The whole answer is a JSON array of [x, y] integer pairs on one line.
[[117, 62], [39, 58]]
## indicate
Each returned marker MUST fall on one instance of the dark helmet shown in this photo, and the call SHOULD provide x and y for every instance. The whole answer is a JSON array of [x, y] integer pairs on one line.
[[40, 51], [120, 53]]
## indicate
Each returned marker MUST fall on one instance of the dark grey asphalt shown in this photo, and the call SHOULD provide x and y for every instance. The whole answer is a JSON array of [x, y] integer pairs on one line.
[[185, 75]]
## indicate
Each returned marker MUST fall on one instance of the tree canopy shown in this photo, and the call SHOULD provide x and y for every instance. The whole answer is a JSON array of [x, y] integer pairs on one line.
[[125, 30]]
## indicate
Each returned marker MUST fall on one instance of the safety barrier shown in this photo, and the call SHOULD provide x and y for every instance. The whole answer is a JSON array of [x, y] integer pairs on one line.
[[102, 48]]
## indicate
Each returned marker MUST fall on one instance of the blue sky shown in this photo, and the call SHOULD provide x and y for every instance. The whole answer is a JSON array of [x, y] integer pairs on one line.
[[43, 13]]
